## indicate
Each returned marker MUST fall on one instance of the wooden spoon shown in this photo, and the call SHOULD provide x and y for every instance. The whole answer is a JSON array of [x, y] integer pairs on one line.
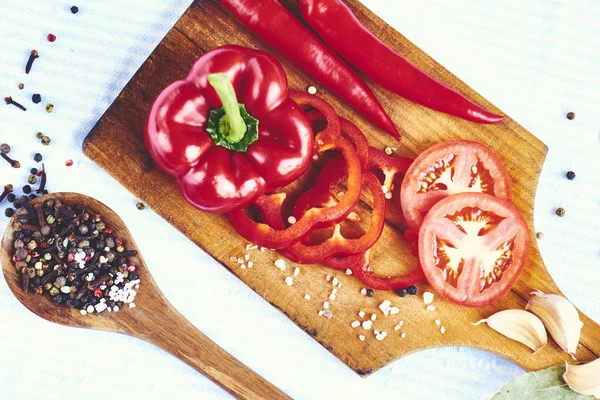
[[147, 320]]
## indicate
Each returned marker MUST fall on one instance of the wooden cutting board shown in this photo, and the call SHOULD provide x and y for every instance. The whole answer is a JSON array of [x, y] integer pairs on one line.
[[116, 144]]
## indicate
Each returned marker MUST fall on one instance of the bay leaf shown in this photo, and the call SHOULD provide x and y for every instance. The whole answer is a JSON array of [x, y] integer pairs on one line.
[[546, 384]]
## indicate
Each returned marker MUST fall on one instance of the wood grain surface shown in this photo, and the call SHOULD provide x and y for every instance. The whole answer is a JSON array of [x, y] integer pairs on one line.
[[147, 320], [116, 144]]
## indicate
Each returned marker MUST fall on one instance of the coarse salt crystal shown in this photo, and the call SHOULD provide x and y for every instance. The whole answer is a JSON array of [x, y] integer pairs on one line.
[[427, 297], [443, 330], [363, 291], [247, 257], [83, 312], [243, 266], [388, 195], [307, 296], [296, 271], [131, 305], [339, 285], [376, 332], [326, 305], [249, 246], [321, 312], [332, 296], [289, 281], [263, 249], [403, 335], [66, 289], [232, 258], [388, 150], [373, 317], [361, 314], [240, 260], [361, 338], [397, 328], [355, 324], [312, 90], [250, 264], [394, 310], [100, 307], [291, 219], [335, 281], [279, 263], [400, 323], [437, 322], [367, 324], [328, 278], [348, 271], [116, 308], [334, 291], [430, 308], [328, 313], [90, 309]]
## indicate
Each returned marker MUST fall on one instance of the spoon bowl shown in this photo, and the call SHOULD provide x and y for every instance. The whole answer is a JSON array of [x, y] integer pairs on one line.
[[147, 320]]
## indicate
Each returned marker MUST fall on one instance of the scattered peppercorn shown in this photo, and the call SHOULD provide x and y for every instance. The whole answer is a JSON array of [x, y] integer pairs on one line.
[[571, 115], [11, 197], [36, 98], [412, 290], [74, 10], [37, 157], [9, 212], [49, 107], [560, 212], [370, 292], [539, 235], [69, 163], [32, 179], [33, 171], [51, 38], [140, 205], [21, 86], [401, 292], [32, 196], [26, 189], [46, 140], [571, 175]]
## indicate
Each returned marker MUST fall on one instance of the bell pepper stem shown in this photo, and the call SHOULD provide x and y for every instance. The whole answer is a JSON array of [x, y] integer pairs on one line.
[[233, 123]]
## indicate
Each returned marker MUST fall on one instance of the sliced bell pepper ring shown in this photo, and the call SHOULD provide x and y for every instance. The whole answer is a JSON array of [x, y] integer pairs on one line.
[[353, 263], [391, 167], [366, 275], [337, 244], [329, 139], [349, 130]]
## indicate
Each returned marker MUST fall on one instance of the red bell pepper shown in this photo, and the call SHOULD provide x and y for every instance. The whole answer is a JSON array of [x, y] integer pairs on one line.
[[329, 139], [366, 275], [335, 23], [353, 263], [279, 29], [391, 167], [224, 154]]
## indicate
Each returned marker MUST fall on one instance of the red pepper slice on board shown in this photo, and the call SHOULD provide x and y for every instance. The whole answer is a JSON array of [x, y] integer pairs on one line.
[[337, 244], [335, 23], [391, 167], [330, 139], [366, 275], [353, 263], [350, 131], [280, 30], [225, 154]]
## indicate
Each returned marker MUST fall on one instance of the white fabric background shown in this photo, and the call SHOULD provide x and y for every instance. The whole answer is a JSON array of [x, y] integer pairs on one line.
[[536, 60]]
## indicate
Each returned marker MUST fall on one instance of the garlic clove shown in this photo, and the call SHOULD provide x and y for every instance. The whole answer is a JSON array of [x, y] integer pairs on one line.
[[560, 317], [519, 325], [584, 378]]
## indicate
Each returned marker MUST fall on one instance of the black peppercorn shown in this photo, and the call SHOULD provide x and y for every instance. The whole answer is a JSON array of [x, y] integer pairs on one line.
[[9, 212], [59, 298], [37, 157], [11, 197], [133, 276], [571, 175], [401, 292], [26, 189], [36, 98], [370, 292], [412, 290], [33, 171], [571, 115], [74, 10], [32, 196]]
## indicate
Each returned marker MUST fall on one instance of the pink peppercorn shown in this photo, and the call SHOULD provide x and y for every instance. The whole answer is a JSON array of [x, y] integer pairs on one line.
[[98, 292], [131, 268], [51, 37], [107, 231], [69, 163], [70, 257]]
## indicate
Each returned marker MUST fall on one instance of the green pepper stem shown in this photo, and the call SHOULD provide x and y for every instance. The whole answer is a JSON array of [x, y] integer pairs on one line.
[[233, 123]]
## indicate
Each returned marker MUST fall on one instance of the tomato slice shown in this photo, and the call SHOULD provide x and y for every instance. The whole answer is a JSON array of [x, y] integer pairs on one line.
[[473, 247], [449, 168]]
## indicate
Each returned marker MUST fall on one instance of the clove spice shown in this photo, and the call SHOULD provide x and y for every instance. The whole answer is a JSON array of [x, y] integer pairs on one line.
[[9, 100], [4, 150], [32, 56]]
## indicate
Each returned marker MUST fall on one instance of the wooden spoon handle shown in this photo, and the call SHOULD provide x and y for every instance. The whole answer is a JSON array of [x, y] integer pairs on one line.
[[173, 333]]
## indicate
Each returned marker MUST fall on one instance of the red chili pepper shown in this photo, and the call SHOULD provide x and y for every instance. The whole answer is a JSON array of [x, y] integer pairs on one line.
[[225, 154], [366, 275], [279, 29], [339, 28], [337, 244], [329, 139]]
